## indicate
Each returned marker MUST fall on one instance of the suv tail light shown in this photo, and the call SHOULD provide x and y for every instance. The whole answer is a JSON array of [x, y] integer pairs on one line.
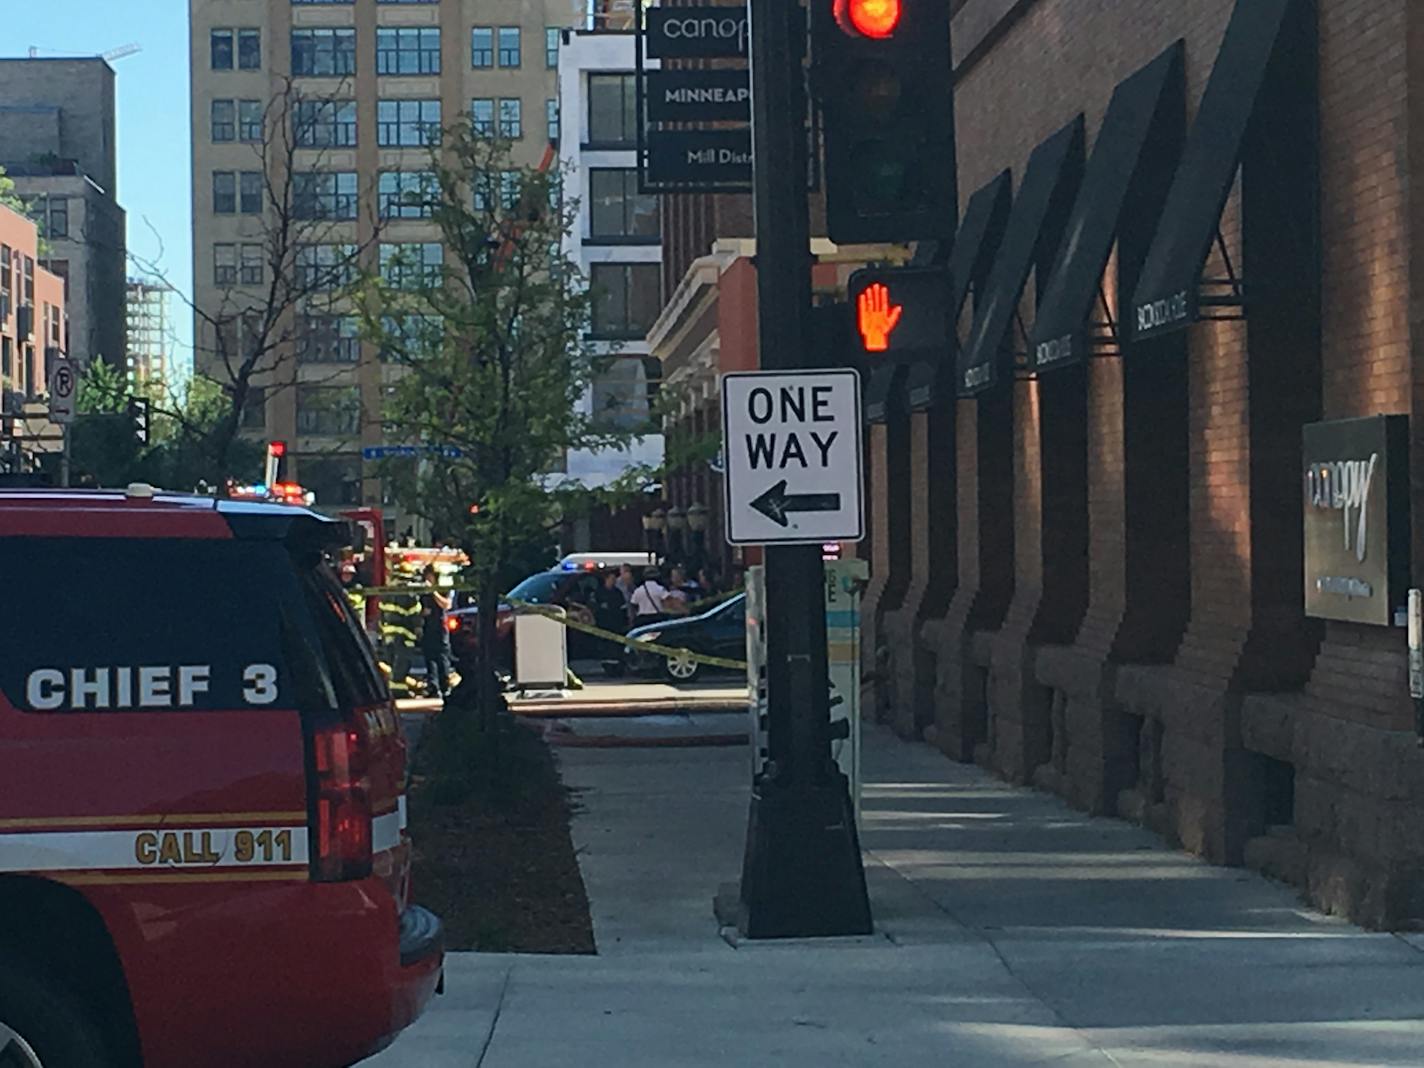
[[341, 815]]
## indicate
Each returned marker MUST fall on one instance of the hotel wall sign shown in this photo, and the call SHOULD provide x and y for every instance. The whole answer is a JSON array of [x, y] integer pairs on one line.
[[1356, 496]]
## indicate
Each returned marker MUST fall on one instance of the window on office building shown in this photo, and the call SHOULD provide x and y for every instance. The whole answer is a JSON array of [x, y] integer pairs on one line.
[[324, 194], [551, 119], [407, 50], [56, 216], [250, 270], [412, 265], [511, 118], [325, 123], [328, 411], [328, 339], [482, 47], [612, 109], [409, 337], [626, 298], [254, 408], [249, 49], [616, 209], [407, 123], [324, 52], [249, 120], [509, 50], [224, 264], [250, 190], [482, 116], [321, 268], [223, 123], [224, 192], [407, 194], [551, 47], [220, 49], [511, 188]]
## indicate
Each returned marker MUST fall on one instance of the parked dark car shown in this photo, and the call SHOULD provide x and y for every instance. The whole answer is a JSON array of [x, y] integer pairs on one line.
[[560, 587], [720, 631]]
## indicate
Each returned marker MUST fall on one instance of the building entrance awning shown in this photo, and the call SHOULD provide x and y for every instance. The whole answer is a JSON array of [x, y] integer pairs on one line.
[[1050, 183], [1171, 293], [1129, 170], [975, 245]]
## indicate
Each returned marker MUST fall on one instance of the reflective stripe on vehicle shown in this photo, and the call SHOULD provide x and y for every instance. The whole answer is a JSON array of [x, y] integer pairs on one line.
[[154, 849]]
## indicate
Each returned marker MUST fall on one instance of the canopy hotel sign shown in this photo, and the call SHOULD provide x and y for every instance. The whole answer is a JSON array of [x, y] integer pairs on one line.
[[1356, 496], [714, 155]]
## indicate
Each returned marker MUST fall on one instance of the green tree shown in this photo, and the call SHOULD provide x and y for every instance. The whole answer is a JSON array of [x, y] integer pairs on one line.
[[9, 198], [108, 446], [493, 356]]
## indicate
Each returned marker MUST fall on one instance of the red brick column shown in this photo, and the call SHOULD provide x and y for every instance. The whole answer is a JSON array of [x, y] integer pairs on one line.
[[985, 537], [932, 570], [888, 508]]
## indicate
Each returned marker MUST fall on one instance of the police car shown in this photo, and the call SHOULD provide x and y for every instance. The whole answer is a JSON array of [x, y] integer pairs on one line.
[[203, 851]]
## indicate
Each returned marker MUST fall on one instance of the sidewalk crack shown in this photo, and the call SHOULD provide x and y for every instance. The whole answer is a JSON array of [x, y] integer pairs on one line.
[[494, 1020]]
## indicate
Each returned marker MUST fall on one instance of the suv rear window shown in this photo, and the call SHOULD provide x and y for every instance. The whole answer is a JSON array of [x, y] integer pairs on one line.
[[128, 624]]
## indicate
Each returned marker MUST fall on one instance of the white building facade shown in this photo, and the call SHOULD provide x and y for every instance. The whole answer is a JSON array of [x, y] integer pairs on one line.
[[616, 240]]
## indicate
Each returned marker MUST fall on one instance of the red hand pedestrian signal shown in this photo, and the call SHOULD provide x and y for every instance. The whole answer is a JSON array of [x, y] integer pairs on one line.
[[876, 317]]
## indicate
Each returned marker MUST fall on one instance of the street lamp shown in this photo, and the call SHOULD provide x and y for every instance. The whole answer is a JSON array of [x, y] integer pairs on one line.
[[697, 524], [677, 523], [654, 523]]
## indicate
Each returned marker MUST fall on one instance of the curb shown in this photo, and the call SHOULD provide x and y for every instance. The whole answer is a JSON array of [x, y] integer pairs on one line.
[[621, 741], [624, 710]]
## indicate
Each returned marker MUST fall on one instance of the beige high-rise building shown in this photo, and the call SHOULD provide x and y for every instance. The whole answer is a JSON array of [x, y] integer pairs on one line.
[[373, 76]]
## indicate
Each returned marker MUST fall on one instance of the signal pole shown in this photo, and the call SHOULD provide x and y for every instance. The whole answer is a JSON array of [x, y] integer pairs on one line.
[[801, 873]]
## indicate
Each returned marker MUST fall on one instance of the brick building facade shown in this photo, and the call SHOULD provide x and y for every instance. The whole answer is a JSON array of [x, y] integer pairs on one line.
[[1091, 575]]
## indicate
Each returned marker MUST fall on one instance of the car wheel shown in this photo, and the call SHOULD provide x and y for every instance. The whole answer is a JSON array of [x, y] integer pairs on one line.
[[43, 1026], [682, 668]]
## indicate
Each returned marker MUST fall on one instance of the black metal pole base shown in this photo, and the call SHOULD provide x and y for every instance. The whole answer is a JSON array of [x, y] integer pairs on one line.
[[802, 875]]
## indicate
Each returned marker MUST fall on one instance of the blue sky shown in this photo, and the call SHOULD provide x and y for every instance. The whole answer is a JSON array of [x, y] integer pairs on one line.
[[153, 115]]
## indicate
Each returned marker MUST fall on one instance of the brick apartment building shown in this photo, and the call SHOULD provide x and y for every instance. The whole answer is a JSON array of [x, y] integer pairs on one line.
[[32, 322], [1104, 561]]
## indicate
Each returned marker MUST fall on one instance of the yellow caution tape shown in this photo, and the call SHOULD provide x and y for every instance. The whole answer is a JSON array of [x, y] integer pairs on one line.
[[672, 652]]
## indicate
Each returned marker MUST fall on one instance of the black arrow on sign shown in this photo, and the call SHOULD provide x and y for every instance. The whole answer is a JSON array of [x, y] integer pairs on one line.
[[776, 502]]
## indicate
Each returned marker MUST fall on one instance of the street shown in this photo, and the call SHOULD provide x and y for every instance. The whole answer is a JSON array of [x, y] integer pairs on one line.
[[1010, 930]]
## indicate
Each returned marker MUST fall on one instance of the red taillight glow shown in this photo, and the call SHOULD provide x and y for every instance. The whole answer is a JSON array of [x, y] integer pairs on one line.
[[342, 824], [869, 18]]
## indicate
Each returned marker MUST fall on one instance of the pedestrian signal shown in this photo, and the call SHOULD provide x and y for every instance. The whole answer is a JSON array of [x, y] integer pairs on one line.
[[901, 311]]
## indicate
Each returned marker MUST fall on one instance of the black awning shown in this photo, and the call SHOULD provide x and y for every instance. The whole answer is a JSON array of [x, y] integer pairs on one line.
[[1127, 160], [883, 392], [1167, 295], [975, 246], [1049, 183]]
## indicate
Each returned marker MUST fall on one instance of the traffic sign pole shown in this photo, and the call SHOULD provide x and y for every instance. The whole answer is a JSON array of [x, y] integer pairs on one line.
[[801, 873]]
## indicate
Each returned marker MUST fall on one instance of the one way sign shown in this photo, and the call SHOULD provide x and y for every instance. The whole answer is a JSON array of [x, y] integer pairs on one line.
[[793, 457]]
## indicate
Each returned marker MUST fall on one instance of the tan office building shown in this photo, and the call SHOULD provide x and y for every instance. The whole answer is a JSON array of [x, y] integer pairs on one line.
[[373, 76]]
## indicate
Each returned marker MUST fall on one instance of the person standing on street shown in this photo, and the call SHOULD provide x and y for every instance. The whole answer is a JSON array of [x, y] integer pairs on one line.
[[648, 599], [610, 606], [434, 638]]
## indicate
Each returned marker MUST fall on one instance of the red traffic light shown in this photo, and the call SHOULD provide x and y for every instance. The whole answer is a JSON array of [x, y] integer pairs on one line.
[[869, 18], [276, 448]]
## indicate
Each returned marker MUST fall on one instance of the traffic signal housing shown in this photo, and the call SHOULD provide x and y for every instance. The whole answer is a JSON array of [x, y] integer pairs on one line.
[[900, 313], [883, 73]]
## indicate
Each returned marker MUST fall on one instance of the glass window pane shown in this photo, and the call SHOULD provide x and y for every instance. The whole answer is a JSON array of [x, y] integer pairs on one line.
[[220, 46], [509, 46], [224, 120]]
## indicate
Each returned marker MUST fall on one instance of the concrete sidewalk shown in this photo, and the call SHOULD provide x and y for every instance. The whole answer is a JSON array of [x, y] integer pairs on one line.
[[1011, 931]]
